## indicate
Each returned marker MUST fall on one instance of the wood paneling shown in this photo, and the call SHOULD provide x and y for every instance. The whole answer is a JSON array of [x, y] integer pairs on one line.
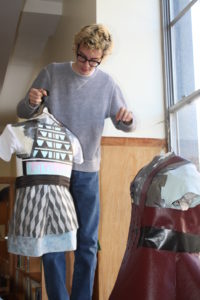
[[32, 265], [122, 158]]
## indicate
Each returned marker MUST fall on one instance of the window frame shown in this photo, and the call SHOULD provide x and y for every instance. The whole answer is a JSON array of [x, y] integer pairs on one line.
[[170, 105]]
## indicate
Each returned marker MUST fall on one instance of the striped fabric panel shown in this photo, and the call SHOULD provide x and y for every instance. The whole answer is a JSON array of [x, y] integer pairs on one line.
[[41, 210]]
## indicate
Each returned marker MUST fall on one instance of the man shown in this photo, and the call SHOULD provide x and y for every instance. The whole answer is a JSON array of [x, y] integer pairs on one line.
[[81, 97]]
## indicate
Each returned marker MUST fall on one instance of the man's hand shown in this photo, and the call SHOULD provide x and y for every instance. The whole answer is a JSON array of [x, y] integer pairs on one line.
[[35, 96], [124, 115]]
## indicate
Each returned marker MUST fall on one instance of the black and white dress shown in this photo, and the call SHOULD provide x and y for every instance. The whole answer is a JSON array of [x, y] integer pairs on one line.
[[44, 218]]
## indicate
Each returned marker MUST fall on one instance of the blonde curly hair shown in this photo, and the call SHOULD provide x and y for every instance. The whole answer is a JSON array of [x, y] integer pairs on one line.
[[94, 36]]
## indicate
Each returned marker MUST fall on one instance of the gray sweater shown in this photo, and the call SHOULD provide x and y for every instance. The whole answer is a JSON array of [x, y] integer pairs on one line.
[[80, 103]]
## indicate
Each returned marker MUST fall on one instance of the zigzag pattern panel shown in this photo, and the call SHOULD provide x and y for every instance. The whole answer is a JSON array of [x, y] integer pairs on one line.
[[42, 210]]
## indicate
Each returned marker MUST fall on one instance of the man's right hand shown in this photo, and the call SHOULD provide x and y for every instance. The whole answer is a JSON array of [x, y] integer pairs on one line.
[[35, 96]]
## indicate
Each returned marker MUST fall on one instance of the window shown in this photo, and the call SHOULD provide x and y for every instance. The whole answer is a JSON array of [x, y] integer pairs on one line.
[[181, 40]]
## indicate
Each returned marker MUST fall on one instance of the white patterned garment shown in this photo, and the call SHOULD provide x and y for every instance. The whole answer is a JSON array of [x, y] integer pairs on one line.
[[44, 218]]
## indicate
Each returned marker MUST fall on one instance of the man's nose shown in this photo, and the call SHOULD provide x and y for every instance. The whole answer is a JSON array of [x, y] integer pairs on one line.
[[87, 62]]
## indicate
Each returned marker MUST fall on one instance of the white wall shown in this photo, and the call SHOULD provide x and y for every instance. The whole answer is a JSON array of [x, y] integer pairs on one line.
[[136, 62], [75, 15]]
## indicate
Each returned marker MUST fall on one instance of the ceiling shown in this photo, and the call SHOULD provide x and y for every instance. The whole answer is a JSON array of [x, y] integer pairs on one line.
[[25, 27]]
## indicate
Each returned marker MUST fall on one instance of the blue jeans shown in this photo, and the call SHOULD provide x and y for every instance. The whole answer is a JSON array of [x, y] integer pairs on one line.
[[85, 192]]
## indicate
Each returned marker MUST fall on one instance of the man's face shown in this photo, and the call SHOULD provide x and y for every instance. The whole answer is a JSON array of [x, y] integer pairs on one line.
[[82, 65]]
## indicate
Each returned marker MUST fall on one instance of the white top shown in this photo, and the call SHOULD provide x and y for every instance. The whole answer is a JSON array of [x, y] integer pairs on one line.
[[13, 139]]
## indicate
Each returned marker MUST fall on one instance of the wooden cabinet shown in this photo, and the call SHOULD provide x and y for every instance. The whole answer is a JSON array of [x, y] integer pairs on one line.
[[6, 259], [28, 278], [121, 160], [21, 277]]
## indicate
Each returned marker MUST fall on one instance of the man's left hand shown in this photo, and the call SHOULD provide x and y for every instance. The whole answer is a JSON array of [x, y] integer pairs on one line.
[[124, 116]]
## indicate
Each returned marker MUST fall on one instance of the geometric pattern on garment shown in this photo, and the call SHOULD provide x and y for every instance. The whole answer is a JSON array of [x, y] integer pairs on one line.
[[42, 210], [52, 143]]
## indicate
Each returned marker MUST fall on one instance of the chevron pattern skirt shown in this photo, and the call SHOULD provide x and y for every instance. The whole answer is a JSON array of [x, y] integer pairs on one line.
[[44, 220]]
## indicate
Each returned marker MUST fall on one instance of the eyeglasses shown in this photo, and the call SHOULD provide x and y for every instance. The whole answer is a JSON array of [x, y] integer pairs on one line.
[[93, 63]]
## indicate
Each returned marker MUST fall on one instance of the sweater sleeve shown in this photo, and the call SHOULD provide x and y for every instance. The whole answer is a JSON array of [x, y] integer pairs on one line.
[[118, 101], [24, 109]]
